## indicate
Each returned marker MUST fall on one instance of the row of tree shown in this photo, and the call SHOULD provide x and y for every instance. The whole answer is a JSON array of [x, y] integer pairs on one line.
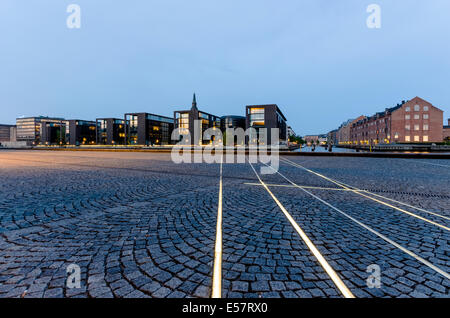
[[297, 139]]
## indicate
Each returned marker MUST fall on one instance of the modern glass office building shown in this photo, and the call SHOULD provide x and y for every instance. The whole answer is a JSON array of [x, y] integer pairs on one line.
[[68, 132], [185, 120], [265, 116], [233, 122], [29, 128], [54, 133], [82, 132], [110, 131], [148, 129]]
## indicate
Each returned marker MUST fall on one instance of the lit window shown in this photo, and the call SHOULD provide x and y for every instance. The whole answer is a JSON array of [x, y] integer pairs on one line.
[[416, 138], [407, 138], [425, 116], [416, 127], [407, 109], [416, 108], [416, 116], [407, 117], [425, 127], [407, 127], [425, 138], [257, 110], [425, 108]]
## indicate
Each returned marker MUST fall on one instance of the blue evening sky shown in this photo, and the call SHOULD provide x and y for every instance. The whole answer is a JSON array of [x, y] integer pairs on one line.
[[316, 59]]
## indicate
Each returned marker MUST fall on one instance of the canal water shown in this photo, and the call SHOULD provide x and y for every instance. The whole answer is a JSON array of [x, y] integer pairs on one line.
[[322, 149]]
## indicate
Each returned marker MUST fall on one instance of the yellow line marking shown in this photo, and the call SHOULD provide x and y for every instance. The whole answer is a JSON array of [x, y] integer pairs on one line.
[[217, 271], [358, 191], [328, 269], [412, 254], [291, 186]]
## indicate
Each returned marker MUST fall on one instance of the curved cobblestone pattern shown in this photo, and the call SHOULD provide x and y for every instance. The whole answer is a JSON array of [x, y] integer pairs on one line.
[[139, 225]]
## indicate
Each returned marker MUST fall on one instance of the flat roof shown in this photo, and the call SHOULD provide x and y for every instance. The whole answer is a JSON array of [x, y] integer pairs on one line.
[[148, 114], [200, 111], [233, 116], [40, 117], [113, 118]]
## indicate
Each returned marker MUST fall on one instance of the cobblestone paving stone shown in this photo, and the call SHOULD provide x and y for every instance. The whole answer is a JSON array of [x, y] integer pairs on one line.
[[139, 225], [133, 233], [263, 255]]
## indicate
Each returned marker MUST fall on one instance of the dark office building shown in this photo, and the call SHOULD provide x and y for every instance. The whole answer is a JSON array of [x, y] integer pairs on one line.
[[81, 132], [185, 119], [5, 132], [54, 133], [111, 131], [148, 129], [265, 116], [232, 122], [29, 128]]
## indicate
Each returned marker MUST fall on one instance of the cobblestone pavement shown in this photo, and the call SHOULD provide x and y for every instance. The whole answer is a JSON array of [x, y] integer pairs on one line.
[[139, 225]]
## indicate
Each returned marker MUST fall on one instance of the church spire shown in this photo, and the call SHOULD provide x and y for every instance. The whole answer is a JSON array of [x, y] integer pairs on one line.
[[194, 102]]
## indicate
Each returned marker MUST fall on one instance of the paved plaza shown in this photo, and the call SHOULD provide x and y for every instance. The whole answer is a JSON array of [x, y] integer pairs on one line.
[[139, 225]]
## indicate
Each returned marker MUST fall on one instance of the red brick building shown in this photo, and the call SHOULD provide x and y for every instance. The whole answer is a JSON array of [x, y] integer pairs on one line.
[[343, 136], [414, 121]]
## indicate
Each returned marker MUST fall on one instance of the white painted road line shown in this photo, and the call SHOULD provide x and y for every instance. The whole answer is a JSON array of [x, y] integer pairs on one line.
[[430, 163], [410, 253], [291, 186], [217, 270], [359, 191], [328, 269]]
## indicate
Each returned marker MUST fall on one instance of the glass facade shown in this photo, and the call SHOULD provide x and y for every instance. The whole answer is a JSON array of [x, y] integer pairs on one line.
[[55, 133], [29, 129], [110, 131], [268, 117], [148, 129], [159, 129], [257, 116]]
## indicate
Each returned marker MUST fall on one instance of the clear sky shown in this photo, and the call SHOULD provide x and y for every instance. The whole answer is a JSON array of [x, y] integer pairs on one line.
[[316, 59]]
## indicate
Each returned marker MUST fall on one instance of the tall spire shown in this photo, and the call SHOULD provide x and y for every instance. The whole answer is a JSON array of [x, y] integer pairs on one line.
[[194, 102]]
